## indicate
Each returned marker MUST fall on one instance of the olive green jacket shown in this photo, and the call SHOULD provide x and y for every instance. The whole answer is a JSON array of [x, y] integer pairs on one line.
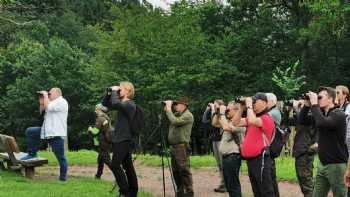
[[180, 127]]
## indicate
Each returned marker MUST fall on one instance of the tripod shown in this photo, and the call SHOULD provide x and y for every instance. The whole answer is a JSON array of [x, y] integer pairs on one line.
[[163, 152]]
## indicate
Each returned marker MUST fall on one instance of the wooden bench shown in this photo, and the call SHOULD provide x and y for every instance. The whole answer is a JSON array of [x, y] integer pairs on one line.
[[10, 154]]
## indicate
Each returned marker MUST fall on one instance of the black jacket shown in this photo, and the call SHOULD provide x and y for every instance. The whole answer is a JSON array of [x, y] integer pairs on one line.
[[331, 130], [306, 134], [215, 133], [126, 111]]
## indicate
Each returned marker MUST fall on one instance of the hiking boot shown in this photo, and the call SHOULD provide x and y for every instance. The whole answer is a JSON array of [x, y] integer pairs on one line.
[[188, 194], [220, 189], [180, 194]]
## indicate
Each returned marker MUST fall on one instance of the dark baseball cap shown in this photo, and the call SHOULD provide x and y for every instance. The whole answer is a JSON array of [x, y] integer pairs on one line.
[[259, 96]]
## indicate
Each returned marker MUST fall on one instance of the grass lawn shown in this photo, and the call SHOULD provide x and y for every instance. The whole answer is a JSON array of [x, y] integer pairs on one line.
[[13, 185]]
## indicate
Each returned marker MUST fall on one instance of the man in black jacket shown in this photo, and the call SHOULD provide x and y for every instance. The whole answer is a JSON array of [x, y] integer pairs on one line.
[[305, 146], [123, 169], [215, 136], [331, 124]]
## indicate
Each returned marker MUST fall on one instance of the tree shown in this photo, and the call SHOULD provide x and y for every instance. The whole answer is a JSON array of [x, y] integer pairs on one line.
[[288, 80]]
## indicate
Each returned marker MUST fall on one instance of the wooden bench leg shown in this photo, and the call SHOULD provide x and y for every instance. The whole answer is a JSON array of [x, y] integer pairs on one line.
[[29, 172], [2, 166]]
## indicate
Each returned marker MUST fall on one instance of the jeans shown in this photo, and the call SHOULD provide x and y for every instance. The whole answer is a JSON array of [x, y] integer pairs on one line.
[[57, 144], [231, 164]]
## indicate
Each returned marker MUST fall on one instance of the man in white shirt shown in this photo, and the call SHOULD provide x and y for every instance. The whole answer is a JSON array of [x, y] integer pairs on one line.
[[54, 129]]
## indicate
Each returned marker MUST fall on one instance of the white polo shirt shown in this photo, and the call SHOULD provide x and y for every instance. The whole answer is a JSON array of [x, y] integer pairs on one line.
[[55, 119]]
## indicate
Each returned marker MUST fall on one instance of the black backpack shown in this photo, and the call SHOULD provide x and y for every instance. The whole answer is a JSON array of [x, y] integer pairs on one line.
[[137, 123], [278, 140]]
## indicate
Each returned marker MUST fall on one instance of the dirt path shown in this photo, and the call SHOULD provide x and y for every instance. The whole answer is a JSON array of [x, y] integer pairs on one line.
[[150, 179]]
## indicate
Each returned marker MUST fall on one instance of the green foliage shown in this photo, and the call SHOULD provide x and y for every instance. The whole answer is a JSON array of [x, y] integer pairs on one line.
[[31, 66], [202, 50], [288, 80]]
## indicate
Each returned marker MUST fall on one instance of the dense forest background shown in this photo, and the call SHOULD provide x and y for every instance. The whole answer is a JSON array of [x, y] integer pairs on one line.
[[202, 49]]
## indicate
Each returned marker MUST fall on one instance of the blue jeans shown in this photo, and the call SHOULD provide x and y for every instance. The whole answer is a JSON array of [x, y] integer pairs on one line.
[[57, 144], [231, 164]]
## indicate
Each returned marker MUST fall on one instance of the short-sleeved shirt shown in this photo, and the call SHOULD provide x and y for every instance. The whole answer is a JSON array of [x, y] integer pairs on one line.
[[253, 144]]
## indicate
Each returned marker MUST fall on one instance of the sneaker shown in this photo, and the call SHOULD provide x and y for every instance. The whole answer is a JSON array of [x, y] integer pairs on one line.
[[220, 189], [97, 177], [29, 157]]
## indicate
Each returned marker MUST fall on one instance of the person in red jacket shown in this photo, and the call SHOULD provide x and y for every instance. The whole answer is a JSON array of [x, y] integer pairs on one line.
[[260, 127]]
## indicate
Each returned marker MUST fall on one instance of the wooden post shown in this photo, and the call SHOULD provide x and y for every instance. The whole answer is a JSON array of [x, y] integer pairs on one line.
[[29, 172]]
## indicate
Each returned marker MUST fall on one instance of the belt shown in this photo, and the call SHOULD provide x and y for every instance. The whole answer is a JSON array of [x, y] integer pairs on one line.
[[176, 144], [229, 155]]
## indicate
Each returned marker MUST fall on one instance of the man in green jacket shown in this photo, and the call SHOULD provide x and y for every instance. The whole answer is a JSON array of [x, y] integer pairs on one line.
[[180, 127]]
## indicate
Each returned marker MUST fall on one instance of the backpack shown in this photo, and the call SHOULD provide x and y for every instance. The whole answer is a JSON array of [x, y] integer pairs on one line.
[[137, 123], [278, 140]]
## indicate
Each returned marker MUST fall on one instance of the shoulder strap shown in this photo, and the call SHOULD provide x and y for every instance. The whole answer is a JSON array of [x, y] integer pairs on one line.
[[265, 139]]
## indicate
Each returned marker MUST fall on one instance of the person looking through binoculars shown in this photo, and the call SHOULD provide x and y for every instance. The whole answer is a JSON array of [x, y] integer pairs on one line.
[[53, 129], [215, 136], [180, 128], [229, 147], [120, 98], [255, 147]]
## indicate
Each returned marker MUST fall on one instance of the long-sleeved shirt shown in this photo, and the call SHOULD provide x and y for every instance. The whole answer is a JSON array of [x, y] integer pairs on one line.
[[180, 127], [331, 130], [55, 119], [126, 111], [216, 133], [306, 134]]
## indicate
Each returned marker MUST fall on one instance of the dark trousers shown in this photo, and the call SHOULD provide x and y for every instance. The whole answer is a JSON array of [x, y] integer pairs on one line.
[[122, 161], [180, 163], [102, 158], [304, 169], [274, 178], [56, 143], [231, 164], [260, 176]]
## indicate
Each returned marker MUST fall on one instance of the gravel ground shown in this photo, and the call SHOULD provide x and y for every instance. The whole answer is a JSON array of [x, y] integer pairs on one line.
[[150, 179]]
